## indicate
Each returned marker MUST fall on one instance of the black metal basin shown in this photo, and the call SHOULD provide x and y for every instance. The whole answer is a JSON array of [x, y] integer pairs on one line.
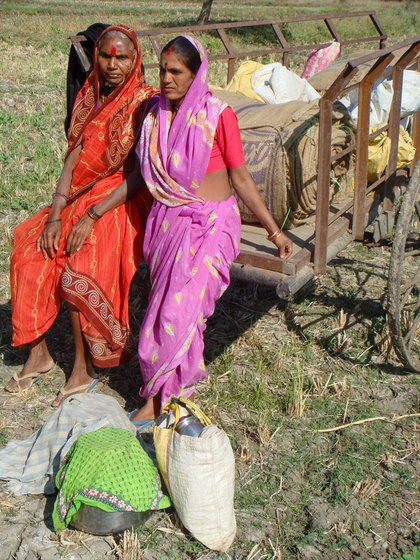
[[93, 520]]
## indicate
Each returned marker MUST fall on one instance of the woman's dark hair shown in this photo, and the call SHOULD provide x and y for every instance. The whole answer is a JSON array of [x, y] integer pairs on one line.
[[186, 51]]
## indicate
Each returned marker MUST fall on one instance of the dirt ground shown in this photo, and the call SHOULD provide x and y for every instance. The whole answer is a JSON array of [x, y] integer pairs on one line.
[[277, 373], [358, 525]]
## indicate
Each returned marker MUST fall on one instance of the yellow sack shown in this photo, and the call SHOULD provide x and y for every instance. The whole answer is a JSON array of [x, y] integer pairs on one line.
[[199, 473], [380, 148], [241, 81]]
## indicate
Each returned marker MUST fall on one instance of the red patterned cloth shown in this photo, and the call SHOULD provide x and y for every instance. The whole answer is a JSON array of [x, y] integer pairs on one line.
[[97, 278]]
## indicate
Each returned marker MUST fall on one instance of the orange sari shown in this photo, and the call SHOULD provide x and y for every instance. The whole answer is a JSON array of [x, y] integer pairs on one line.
[[97, 278]]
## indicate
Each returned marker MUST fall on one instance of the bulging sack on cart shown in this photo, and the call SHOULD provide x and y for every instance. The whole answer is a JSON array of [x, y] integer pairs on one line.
[[199, 472], [319, 59], [276, 84], [380, 148], [281, 151]]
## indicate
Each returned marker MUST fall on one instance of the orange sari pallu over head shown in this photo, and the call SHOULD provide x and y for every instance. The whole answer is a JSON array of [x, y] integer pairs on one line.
[[118, 120], [96, 279]]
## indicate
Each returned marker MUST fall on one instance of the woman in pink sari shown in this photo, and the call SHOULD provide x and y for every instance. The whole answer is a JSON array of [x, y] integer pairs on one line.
[[190, 155]]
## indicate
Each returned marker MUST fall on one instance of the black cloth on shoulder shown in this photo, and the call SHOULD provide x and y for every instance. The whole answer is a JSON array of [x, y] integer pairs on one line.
[[76, 74]]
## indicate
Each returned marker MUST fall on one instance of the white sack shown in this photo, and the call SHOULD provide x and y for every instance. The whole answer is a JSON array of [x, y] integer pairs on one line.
[[276, 84], [201, 475], [381, 99]]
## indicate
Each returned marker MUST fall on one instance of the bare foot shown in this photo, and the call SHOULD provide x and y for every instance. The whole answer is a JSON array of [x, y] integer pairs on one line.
[[38, 362], [76, 383], [149, 411]]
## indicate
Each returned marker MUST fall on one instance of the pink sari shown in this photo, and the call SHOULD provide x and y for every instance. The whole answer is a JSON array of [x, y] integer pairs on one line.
[[189, 243]]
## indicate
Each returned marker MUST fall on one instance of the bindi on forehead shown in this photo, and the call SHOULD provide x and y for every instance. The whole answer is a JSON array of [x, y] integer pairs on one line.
[[113, 50]]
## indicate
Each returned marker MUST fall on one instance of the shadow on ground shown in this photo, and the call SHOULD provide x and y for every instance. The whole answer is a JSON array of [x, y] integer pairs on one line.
[[239, 308], [357, 290]]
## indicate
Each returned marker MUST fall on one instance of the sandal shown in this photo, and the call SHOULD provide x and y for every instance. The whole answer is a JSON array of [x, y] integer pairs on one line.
[[34, 376], [65, 393]]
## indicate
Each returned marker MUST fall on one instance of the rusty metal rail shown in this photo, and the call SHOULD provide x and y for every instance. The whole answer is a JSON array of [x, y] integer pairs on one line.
[[380, 61], [280, 44], [315, 246]]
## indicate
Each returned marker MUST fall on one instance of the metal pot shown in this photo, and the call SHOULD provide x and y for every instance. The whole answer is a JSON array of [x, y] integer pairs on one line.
[[93, 520], [189, 426]]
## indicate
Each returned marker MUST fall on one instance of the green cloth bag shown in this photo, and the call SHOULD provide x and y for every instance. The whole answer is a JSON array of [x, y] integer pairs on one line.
[[108, 469]]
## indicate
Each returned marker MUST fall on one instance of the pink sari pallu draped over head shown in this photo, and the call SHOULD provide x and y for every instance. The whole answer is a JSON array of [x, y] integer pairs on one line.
[[174, 158], [189, 242]]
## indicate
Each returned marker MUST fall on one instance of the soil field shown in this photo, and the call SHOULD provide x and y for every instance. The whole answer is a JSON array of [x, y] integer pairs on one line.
[[280, 374]]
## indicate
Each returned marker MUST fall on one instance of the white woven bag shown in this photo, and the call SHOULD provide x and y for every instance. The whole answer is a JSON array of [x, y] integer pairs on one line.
[[200, 474]]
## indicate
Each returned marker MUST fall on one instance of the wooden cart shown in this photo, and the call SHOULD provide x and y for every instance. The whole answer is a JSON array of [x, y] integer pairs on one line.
[[335, 226]]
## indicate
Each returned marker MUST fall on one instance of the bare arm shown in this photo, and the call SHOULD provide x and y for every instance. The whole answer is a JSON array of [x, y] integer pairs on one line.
[[51, 234], [64, 183], [118, 196], [246, 189]]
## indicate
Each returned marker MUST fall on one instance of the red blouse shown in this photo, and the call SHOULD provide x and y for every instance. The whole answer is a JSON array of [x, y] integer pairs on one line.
[[227, 151]]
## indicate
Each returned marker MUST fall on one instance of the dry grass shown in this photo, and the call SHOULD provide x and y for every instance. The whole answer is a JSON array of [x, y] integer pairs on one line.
[[296, 398], [367, 489], [128, 548], [276, 374]]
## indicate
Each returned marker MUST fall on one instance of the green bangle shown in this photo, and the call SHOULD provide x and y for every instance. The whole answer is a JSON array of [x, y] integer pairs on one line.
[[53, 221]]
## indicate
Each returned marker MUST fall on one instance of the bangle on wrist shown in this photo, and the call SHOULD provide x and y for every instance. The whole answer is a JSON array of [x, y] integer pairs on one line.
[[274, 235], [92, 214], [53, 221]]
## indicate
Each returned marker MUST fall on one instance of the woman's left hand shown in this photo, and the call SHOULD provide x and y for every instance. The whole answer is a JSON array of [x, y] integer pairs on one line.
[[284, 245], [79, 233]]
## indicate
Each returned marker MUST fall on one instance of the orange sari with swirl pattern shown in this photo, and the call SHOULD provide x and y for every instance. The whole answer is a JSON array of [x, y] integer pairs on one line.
[[97, 278]]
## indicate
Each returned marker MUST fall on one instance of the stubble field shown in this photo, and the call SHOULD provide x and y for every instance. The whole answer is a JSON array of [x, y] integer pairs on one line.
[[279, 373]]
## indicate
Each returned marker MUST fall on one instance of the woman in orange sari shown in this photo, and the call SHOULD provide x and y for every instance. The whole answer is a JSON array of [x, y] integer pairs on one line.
[[85, 247]]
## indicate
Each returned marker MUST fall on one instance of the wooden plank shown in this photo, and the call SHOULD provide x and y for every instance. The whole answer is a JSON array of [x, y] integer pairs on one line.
[[416, 132], [257, 251], [382, 35], [281, 38], [259, 23], [156, 46], [287, 50], [82, 55], [416, 140], [275, 24], [267, 262], [249, 273], [289, 286]]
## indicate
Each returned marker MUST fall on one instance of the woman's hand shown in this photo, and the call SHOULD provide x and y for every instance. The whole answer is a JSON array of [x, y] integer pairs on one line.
[[79, 233], [245, 187], [48, 241], [284, 245]]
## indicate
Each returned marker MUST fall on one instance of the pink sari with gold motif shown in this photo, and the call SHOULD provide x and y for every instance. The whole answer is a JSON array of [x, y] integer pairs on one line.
[[189, 243]]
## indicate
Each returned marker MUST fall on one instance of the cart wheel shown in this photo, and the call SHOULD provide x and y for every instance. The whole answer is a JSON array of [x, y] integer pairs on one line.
[[404, 278]]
